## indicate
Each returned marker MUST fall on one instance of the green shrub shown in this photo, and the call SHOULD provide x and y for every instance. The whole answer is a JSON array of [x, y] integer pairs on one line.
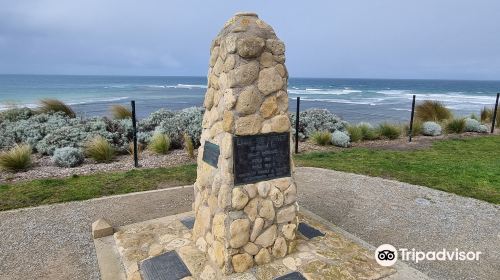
[[486, 114], [120, 112], [432, 111], [455, 126], [54, 105], [188, 145], [389, 131], [18, 158], [159, 143], [321, 138], [99, 149], [355, 133], [67, 157]]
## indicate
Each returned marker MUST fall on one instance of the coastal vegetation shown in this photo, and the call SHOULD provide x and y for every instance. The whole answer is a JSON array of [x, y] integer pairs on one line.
[[430, 110], [56, 128], [389, 131], [54, 105], [455, 126], [99, 149], [18, 158], [160, 143], [188, 145], [120, 112], [321, 138]]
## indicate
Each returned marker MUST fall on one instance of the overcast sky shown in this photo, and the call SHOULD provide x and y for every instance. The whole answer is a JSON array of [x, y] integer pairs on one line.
[[447, 39]]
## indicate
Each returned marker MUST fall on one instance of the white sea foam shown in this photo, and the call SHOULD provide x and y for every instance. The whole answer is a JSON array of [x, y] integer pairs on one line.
[[94, 100], [342, 101], [315, 91], [187, 86]]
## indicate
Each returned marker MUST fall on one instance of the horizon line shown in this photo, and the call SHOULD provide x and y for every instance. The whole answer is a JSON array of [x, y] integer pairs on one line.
[[203, 76]]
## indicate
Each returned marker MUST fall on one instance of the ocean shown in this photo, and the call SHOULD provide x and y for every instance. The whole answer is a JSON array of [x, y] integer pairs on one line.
[[355, 100]]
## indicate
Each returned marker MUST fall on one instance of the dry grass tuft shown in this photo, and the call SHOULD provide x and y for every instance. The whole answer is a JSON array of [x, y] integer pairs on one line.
[[120, 112], [322, 138], [54, 105], [432, 111], [160, 143], [100, 150], [188, 145], [17, 158]]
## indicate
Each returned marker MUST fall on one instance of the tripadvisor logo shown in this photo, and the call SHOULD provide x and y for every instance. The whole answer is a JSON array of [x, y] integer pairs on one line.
[[387, 255]]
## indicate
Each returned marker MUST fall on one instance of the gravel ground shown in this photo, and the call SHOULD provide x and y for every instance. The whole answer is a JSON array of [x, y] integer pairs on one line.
[[44, 168], [54, 242], [382, 211]]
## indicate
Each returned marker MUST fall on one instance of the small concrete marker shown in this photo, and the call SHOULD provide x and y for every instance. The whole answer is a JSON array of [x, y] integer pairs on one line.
[[101, 228], [308, 231], [291, 276]]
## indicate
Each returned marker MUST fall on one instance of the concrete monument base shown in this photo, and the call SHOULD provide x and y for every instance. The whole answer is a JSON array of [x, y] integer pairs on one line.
[[332, 254]]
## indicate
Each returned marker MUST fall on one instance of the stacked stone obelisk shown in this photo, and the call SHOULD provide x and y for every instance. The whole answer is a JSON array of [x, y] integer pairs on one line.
[[241, 225]]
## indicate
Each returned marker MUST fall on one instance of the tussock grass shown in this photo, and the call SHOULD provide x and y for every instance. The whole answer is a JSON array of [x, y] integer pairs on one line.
[[455, 126], [389, 131], [160, 143], [322, 138], [54, 105], [18, 158], [486, 114], [188, 145], [417, 128], [120, 112], [100, 150], [432, 111], [368, 132], [355, 133]]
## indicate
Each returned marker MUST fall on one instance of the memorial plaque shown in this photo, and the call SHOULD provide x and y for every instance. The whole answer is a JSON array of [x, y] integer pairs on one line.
[[167, 266], [211, 153], [261, 157], [291, 276]]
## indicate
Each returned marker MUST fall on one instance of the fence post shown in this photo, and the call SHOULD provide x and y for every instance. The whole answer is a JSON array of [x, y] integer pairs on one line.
[[410, 133], [494, 115], [134, 126], [297, 126]]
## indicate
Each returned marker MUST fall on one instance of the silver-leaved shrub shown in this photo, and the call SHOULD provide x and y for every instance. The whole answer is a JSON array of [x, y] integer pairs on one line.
[[154, 119], [473, 125], [67, 157], [340, 139], [431, 129], [187, 121], [313, 120]]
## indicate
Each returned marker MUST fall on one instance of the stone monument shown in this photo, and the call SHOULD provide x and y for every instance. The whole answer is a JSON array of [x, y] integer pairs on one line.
[[245, 195]]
